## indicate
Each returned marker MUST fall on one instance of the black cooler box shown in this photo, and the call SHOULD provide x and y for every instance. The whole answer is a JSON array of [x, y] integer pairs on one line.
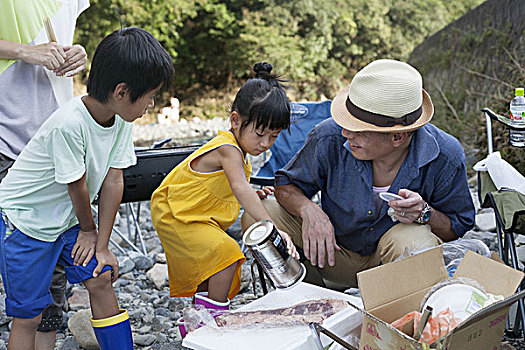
[[152, 167]]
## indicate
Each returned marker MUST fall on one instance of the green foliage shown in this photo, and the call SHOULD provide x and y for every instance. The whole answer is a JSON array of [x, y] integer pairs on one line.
[[317, 44], [471, 65]]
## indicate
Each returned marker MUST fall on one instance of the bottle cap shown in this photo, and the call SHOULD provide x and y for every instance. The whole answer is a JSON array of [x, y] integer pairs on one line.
[[519, 91]]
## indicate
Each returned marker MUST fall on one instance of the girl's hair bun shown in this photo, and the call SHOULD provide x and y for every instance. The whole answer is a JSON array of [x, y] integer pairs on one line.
[[262, 69]]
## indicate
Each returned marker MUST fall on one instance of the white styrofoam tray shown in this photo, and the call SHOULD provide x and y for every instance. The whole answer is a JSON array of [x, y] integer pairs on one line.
[[296, 338]]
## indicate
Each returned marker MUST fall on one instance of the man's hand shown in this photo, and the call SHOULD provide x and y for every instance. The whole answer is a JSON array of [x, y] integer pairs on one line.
[[75, 61], [50, 55], [84, 247], [265, 192], [318, 236], [289, 245], [407, 210], [105, 257]]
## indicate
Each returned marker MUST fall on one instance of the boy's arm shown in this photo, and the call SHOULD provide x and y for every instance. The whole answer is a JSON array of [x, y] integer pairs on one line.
[[109, 201], [84, 248]]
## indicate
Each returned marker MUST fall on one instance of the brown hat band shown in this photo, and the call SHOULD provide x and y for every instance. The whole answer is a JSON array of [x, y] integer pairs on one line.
[[382, 120]]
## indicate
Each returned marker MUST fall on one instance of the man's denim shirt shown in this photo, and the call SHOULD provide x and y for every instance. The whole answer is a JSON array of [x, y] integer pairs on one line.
[[434, 167]]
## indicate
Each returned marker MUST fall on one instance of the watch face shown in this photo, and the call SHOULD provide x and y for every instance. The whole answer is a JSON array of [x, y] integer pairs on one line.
[[426, 216]]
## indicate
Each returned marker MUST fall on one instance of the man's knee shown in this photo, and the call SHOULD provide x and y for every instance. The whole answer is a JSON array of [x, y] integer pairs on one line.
[[247, 220], [403, 237], [279, 215]]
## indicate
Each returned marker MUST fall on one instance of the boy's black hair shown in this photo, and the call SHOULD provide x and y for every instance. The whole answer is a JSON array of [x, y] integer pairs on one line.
[[132, 56], [263, 101]]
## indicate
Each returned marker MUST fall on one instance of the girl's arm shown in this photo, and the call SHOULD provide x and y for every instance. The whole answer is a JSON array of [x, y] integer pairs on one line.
[[232, 163]]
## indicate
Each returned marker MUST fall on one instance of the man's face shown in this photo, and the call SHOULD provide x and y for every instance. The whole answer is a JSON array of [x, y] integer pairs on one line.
[[368, 145]]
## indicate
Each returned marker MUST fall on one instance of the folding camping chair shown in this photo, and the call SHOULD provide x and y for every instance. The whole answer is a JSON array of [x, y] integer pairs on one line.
[[509, 209], [304, 116]]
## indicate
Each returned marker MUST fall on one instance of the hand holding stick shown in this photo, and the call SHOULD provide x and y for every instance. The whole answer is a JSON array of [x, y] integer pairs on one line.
[[49, 30]]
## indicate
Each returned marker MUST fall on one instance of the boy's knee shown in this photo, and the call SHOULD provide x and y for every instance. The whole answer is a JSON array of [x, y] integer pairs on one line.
[[99, 283]]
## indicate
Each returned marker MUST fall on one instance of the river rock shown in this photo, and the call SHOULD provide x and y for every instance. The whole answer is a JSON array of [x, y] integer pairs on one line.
[[80, 326], [125, 264], [79, 300], [486, 220], [141, 261], [158, 274]]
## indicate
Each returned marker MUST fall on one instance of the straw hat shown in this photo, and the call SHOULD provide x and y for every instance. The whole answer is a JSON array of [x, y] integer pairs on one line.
[[385, 96]]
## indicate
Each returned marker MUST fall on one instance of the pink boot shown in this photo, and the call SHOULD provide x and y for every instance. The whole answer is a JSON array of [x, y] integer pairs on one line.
[[202, 299], [182, 328], [216, 308]]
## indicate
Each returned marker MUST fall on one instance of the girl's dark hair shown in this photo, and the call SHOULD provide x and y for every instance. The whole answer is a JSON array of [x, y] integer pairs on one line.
[[132, 56], [263, 101]]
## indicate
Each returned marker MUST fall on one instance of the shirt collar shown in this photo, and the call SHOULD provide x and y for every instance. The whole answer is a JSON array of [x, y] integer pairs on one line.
[[424, 148]]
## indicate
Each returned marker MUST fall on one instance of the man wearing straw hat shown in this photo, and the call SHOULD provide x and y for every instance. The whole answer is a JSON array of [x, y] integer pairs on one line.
[[378, 140]]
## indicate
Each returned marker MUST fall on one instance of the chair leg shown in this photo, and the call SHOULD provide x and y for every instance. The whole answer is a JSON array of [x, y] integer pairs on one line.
[[501, 250], [262, 280], [138, 232], [520, 314]]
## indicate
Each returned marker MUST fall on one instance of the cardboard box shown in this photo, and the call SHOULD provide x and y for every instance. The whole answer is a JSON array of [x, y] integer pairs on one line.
[[391, 291]]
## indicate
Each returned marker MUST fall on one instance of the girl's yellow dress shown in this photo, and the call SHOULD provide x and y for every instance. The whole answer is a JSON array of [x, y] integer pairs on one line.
[[191, 211]]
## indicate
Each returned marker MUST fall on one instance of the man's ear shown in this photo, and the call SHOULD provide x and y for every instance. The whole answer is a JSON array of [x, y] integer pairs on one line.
[[399, 138], [120, 91]]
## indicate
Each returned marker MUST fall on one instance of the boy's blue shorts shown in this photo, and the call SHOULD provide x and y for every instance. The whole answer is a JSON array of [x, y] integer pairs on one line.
[[27, 268]]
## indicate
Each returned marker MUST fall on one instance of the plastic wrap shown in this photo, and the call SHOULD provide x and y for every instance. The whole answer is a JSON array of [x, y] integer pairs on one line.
[[457, 249], [438, 325], [462, 280], [296, 315], [452, 307], [453, 252], [198, 316], [464, 299]]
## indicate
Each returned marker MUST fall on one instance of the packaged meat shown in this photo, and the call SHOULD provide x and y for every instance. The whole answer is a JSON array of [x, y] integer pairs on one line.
[[299, 314]]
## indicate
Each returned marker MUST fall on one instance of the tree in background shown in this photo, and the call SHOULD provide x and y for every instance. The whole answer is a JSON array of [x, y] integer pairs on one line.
[[317, 44]]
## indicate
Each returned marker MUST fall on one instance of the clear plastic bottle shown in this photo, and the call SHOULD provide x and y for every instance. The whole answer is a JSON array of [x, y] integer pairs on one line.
[[517, 118]]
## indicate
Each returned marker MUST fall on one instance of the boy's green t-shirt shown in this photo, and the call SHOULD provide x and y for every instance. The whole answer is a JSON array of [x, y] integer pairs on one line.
[[34, 194]]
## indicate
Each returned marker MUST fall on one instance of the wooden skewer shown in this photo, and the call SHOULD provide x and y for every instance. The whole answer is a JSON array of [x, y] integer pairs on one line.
[[49, 30]]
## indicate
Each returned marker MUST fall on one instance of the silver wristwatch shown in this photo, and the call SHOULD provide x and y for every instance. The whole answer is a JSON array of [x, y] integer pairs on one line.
[[424, 216]]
